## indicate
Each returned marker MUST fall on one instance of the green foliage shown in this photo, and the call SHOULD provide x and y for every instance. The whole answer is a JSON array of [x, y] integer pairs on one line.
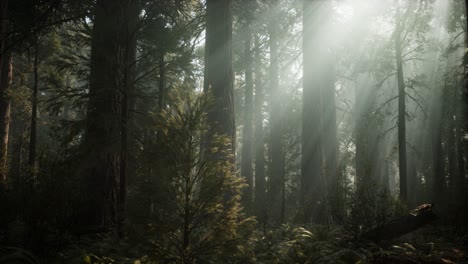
[[207, 224], [104, 249], [295, 244]]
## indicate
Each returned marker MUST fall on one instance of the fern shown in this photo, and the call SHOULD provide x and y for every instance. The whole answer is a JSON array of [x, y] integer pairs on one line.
[[345, 255]]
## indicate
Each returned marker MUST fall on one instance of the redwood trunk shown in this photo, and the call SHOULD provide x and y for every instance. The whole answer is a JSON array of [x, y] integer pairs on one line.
[[5, 109], [401, 119], [5, 82], [246, 162], [312, 156], [33, 127], [219, 78], [107, 110], [276, 132], [260, 206]]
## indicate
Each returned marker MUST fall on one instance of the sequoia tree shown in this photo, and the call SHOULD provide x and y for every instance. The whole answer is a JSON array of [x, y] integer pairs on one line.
[[5, 82], [218, 75], [246, 162], [112, 46]]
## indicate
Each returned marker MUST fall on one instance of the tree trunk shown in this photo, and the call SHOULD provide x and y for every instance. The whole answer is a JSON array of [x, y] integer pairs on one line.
[[460, 181], [313, 72], [465, 90], [17, 159], [401, 118], [246, 161], [276, 129], [417, 218], [386, 177], [6, 71], [451, 154], [332, 181], [33, 127], [5, 109], [219, 79], [260, 207], [366, 139], [330, 141], [103, 142], [130, 27], [412, 180], [162, 81], [438, 181], [462, 116]]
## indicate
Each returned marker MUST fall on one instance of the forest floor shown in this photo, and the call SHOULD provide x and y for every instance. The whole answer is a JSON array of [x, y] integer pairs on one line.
[[432, 244]]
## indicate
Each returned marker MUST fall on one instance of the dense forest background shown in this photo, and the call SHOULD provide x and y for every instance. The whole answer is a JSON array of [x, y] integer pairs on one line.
[[233, 131]]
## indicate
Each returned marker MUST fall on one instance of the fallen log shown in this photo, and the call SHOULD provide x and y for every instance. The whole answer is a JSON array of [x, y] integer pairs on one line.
[[416, 218]]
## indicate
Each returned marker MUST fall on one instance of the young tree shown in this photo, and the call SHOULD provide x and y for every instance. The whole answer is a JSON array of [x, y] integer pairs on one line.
[[206, 224]]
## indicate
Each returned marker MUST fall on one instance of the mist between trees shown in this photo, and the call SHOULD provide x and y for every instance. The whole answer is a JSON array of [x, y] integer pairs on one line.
[[230, 131]]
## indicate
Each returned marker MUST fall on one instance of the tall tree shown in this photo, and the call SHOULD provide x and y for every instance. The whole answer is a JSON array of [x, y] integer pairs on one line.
[[219, 75], [276, 128], [34, 101], [6, 71], [318, 85], [365, 134], [246, 162], [109, 78], [401, 112], [129, 29], [437, 154], [259, 144], [329, 136]]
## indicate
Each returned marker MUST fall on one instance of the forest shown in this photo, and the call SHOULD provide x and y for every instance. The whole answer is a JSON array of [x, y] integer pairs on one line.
[[233, 131]]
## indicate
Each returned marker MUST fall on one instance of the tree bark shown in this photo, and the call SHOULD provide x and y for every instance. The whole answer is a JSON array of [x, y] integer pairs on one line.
[[130, 27], [452, 154], [18, 128], [162, 81], [260, 207], [417, 218], [412, 180], [110, 76], [401, 117], [460, 181], [6, 70], [465, 90], [330, 141], [219, 79], [462, 117], [246, 159], [366, 139], [312, 186], [33, 127], [5, 111], [276, 129], [438, 175]]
